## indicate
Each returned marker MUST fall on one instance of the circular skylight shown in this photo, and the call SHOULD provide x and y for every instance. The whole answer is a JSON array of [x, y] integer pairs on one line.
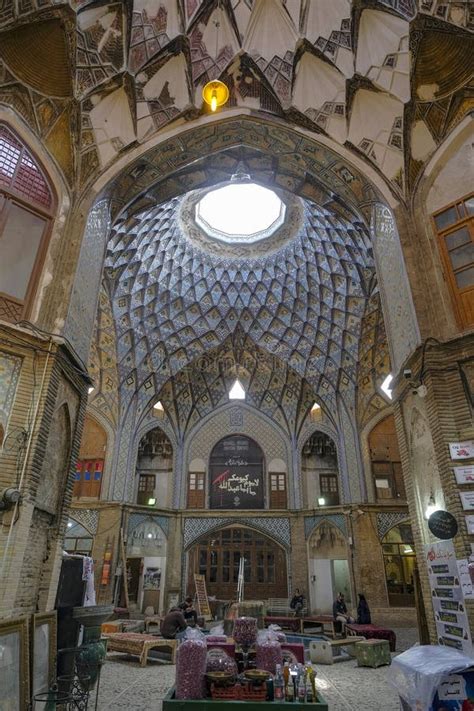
[[240, 212]]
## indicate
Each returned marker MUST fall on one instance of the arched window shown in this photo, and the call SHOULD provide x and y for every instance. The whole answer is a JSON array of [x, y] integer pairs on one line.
[[154, 468], [385, 460], [320, 470], [26, 212]]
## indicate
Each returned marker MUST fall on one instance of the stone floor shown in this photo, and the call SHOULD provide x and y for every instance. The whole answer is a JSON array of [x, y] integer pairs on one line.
[[125, 685]]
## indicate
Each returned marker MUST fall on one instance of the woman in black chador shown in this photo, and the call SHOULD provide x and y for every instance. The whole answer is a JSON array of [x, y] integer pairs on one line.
[[363, 612]]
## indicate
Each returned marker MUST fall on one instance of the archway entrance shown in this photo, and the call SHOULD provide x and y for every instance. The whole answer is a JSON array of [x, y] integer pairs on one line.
[[217, 557], [328, 567]]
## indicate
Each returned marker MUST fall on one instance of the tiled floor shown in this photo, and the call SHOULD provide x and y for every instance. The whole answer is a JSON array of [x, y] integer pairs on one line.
[[125, 685]]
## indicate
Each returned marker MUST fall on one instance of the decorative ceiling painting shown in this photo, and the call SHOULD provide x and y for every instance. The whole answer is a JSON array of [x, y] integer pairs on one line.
[[386, 78]]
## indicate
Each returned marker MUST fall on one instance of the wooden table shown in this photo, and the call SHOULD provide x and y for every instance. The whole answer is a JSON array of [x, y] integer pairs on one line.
[[289, 623], [374, 632], [139, 644], [322, 621]]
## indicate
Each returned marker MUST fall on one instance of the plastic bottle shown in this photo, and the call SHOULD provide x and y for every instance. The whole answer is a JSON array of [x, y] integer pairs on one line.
[[278, 685], [309, 692]]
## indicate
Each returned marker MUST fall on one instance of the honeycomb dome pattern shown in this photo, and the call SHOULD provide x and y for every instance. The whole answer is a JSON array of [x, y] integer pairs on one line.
[[173, 302]]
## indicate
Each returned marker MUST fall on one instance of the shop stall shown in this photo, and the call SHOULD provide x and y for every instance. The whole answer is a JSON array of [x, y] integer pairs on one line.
[[252, 668]]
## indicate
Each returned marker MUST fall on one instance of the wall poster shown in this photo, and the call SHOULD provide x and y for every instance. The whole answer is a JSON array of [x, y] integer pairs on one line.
[[462, 450], [464, 475], [236, 474], [448, 600]]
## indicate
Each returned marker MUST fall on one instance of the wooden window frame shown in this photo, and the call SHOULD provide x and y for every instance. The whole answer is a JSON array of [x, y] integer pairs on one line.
[[278, 495], [331, 495], [12, 196], [196, 496], [462, 318], [146, 492]]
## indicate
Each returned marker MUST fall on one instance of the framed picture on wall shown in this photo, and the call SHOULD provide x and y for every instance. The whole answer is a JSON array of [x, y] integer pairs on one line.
[[43, 652], [14, 665]]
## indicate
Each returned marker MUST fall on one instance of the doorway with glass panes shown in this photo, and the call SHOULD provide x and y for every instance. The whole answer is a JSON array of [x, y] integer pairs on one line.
[[217, 557]]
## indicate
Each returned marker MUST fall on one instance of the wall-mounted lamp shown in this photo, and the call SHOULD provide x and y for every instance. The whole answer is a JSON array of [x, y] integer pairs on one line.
[[431, 508], [151, 501], [215, 93], [8, 498], [321, 501], [90, 389]]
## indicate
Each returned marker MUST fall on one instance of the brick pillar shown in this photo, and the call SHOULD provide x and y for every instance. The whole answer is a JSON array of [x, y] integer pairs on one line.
[[425, 426], [45, 404]]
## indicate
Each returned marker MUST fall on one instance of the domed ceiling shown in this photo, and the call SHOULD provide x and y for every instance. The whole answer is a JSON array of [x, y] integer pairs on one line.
[[174, 300]]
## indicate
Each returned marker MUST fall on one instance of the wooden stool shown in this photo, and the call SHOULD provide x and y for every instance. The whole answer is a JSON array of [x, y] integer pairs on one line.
[[373, 653]]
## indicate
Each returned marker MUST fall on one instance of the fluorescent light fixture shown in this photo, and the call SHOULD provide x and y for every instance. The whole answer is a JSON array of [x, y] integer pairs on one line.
[[237, 391], [321, 501], [385, 387], [90, 389], [159, 406], [151, 501]]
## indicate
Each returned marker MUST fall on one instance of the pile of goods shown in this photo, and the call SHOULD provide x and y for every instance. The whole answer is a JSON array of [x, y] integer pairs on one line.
[[202, 674]]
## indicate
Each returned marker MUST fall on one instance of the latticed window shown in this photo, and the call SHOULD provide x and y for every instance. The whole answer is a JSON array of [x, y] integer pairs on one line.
[[26, 204], [146, 488], [455, 227], [329, 489]]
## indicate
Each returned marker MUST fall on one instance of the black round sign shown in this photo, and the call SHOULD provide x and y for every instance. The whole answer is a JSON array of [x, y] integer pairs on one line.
[[443, 525]]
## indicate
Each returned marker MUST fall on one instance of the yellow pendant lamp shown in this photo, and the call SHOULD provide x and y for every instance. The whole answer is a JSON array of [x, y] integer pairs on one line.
[[215, 93]]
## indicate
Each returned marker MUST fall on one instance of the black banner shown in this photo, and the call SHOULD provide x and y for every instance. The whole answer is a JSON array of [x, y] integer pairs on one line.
[[236, 471]]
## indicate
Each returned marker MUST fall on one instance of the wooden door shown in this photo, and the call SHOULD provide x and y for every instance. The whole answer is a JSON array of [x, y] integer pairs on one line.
[[217, 557]]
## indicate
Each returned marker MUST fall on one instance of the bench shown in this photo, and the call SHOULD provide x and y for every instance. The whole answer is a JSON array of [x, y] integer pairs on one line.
[[279, 606], [139, 644]]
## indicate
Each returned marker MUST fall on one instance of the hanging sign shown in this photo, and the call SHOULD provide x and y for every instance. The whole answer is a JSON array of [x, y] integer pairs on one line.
[[443, 525], [467, 500], [464, 475], [462, 450], [236, 474], [202, 599], [447, 594]]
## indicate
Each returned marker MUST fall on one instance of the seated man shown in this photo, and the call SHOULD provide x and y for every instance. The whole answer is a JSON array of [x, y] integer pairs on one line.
[[339, 611], [188, 610], [297, 603], [173, 624]]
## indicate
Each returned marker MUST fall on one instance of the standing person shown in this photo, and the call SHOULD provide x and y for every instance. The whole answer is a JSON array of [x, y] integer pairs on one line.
[[173, 623], [363, 611], [297, 603], [339, 610], [188, 610]]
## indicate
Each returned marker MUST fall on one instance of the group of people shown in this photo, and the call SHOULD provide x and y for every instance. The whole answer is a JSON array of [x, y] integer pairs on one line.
[[185, 615], [340, 613], [178, 619]]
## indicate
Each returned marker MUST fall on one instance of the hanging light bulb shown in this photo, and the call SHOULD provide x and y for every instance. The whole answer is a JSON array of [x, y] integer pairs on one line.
[[432, 507], [215, 93]]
